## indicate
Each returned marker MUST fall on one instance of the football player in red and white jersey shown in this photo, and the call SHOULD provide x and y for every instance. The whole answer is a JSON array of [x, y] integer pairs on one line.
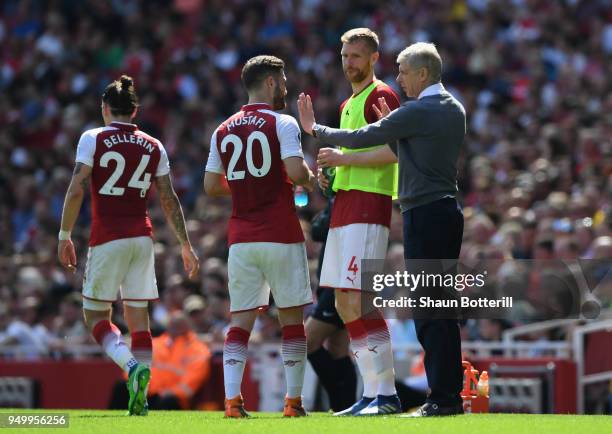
[[121, 162], [256, 157], [359, 230]]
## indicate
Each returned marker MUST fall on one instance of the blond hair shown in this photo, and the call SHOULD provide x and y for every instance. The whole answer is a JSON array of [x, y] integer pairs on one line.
[[361, 34]]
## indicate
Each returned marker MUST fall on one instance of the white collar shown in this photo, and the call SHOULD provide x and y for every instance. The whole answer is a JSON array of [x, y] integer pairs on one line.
[[434, 89]]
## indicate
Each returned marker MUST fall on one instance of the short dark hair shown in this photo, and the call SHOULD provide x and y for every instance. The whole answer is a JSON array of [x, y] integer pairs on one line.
[[121, 96], [258, 68], [361, 34]]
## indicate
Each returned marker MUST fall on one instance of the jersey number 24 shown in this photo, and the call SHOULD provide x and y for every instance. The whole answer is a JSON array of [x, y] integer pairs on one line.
[[109, 187]]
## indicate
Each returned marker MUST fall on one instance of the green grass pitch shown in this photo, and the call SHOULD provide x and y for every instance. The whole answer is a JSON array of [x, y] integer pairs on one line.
[[187, 422]]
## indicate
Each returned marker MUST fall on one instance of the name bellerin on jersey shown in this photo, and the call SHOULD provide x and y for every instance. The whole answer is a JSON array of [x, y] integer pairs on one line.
[[115, 139]]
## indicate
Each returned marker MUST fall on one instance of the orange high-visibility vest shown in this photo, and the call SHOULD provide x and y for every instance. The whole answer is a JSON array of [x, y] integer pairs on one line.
[[180, 366]]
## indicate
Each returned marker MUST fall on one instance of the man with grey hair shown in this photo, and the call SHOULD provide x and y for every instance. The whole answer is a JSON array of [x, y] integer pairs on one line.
[[423, 55], [426, 135]]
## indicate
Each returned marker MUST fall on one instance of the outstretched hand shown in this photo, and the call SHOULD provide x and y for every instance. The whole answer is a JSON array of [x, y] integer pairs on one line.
[[384, 109], [307, 117]]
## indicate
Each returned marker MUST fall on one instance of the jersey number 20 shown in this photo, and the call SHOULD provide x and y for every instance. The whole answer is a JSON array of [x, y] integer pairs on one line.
[[109, 188], [258, 172]]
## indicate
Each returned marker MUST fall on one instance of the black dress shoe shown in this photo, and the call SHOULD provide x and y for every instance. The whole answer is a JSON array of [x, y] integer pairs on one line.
[[431, 409]]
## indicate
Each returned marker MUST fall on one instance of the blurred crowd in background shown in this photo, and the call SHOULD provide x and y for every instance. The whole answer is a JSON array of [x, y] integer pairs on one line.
[[535, 175]]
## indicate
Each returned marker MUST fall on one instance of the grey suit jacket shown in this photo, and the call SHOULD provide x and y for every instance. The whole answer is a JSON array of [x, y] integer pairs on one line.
[[425, 134]]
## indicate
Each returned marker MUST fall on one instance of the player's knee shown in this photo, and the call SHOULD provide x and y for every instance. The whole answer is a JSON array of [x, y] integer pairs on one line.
[[341, 308], [347, 310], [348, 314], [243, 320], [136, 315], [314, 339], [136, 303], [95, 311]]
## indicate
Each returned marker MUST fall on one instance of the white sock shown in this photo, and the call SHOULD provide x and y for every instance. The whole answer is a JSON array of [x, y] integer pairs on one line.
[[293, 351], [379, 345], [234, 360], [118, 351], [363, 357], [365, 362]]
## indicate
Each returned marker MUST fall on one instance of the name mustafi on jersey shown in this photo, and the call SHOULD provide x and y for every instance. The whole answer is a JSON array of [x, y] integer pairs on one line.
[[115, 139], [247, 120]]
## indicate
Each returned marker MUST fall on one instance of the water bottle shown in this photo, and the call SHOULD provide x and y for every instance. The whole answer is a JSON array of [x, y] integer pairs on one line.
[[330, 174], [300, 196], [483, 384]]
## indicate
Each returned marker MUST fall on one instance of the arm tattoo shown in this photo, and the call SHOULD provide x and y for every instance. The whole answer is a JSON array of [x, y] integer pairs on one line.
[[172, 208], [77, 170], [85, 183]]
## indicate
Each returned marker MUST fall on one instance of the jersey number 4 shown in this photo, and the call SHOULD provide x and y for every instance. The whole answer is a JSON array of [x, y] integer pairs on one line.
[[258, 172], [143, 184]]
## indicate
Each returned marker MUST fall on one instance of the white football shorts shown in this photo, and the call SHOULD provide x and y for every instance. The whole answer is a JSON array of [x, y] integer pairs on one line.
[[255, 269], [126, 265], [346, 246]]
